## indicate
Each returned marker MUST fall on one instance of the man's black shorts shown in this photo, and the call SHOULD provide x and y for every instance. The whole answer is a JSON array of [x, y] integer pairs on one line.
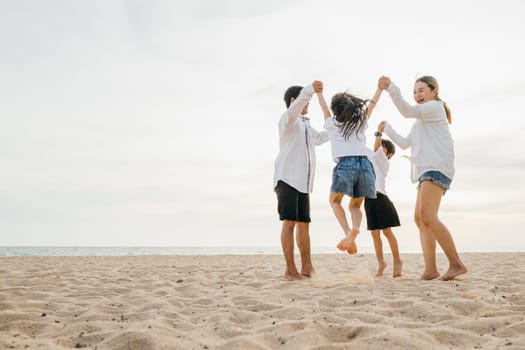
[[291, 204]]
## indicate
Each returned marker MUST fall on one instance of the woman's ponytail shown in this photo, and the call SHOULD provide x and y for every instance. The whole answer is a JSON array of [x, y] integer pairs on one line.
[[447, 110], [433, 85]]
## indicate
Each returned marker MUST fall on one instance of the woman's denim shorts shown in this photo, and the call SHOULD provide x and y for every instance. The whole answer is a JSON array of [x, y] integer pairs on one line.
[[355, 177], [436, 177]]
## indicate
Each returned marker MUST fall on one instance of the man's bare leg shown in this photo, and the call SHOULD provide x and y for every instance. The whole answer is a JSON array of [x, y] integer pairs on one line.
[[303, 242], [392, 241], [287, 244], [378, 246]]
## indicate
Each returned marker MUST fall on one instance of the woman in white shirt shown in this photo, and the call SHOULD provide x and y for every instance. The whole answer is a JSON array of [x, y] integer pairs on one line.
[[432, 157]]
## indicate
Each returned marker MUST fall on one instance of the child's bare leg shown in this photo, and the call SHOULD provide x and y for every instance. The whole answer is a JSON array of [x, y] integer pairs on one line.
[[355, 212], [378, 246], [392, 241], [340, 215], [356, 216], [287, 244], [348, 243], [303, 242], [339, 212]]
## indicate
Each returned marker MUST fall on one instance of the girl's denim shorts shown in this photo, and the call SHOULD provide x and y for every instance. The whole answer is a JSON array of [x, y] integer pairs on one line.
[[436, 177], [355, 177]]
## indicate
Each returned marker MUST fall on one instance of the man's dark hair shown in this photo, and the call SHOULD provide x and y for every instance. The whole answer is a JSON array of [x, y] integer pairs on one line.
[[292, 91]]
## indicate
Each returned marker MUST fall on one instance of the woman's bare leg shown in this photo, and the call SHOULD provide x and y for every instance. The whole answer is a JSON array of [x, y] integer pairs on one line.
[[431, 195], [428, 242]]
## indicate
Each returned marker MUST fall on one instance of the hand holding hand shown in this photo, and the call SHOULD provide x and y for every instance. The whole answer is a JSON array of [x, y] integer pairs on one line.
[[383, 82], [318, 86]]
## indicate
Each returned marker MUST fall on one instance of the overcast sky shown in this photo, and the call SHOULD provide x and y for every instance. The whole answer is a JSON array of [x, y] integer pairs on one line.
[[155, 122]]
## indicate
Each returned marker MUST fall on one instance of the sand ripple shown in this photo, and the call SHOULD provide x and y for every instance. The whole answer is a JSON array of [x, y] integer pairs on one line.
[[242, 302]]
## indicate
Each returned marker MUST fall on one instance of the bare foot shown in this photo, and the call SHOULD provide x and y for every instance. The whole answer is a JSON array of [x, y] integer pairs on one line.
[[292, 276], [427, 276], [348, 243], [353, 249], [454, 271], [380, 268], [398, 267], [307, 271]]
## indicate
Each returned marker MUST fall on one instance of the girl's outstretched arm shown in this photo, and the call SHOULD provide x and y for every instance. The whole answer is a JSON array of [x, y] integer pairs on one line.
[[324, 106], [373, 102]]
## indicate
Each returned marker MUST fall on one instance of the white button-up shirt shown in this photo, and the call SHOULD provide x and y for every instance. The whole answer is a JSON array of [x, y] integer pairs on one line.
[[295, 164]]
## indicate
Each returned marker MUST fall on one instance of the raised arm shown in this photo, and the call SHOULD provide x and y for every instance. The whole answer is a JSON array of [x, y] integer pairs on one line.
[[373, 102], [320, 137], [378, 134], [402, 106], [403, 142], [297, 106], [324, 106], [428, 111]]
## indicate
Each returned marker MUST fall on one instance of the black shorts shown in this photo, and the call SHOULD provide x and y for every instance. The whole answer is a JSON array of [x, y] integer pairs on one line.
[[380, 213], [291, 204]]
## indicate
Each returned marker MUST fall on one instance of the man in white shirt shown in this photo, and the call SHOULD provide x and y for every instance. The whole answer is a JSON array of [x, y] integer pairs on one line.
[[294, 176]]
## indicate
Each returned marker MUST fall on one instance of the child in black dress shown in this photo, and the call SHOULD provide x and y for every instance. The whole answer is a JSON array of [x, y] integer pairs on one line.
[[380, 212]]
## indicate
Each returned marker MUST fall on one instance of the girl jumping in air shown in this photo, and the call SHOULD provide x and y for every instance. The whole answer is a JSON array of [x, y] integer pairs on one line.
[[354, 173]]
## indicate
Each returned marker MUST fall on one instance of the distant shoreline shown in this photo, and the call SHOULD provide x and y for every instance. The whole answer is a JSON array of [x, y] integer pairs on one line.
[[177, 251]]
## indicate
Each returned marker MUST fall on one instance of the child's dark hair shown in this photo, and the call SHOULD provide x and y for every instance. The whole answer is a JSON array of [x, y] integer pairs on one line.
[[292, 91], [350, 111], [390, 148]]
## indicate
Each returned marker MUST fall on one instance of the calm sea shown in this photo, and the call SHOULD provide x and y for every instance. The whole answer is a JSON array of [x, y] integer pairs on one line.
[[119, 251]]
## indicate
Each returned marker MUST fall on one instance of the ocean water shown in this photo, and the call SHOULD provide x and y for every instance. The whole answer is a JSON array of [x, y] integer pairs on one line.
[[121, 251]]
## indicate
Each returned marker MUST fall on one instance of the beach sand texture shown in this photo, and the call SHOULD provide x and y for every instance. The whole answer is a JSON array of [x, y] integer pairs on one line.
[[242, 302]]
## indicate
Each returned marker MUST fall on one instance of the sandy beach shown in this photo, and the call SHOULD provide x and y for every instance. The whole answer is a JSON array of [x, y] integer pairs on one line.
[[242, 302]]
